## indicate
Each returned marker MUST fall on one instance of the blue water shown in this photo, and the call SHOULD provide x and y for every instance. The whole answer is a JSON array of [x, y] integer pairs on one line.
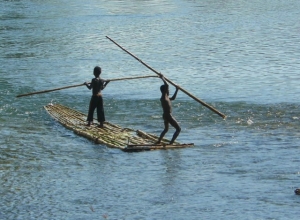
[[241, 57]]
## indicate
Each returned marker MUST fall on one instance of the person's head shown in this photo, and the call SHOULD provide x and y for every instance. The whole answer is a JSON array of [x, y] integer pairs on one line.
[[97, 71], [164, 89]]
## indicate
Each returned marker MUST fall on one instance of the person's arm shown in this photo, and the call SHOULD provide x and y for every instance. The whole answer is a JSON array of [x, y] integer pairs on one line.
[[88, 85], [163, 79], [105, 83], [165, 82], [175, 94]]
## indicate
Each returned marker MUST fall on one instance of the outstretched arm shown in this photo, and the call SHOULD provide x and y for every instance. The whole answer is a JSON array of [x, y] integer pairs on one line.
[[163, 79], [166, 84], [88, 85], [167, 87], [105, 83], [175, 94]]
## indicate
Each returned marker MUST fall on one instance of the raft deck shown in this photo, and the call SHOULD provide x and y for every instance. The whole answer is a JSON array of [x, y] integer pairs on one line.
[[111, 135]]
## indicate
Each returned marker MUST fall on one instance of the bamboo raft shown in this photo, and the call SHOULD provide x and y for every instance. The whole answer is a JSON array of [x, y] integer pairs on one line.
[[111, 135]]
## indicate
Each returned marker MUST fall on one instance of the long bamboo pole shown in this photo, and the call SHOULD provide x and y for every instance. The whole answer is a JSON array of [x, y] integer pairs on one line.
[[182, 89], [72, 86]]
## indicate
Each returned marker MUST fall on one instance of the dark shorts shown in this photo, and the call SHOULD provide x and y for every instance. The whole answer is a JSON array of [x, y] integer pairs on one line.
[[96, 102]]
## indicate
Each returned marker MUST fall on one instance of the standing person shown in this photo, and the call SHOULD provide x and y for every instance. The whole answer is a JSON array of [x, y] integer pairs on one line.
[[167, 111], [97, 84]]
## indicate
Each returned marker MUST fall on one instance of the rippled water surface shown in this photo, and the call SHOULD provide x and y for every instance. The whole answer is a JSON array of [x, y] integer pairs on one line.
[[241, 57]]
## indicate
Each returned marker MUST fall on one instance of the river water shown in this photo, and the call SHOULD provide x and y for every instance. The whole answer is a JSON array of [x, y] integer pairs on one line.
[[241, 57]]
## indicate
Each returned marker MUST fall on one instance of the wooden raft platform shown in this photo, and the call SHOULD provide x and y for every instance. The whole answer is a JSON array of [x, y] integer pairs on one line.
[[111, 135]]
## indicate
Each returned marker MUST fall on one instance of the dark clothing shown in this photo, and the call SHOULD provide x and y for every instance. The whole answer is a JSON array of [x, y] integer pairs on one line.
[[96, 102], [96, 85]]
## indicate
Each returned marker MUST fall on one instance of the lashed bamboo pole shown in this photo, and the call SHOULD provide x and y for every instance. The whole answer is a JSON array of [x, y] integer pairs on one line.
[[111, 135], [183, 90], [72, 86]]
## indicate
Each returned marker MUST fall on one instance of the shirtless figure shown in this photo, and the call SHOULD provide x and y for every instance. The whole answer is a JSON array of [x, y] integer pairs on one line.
[[167, 111]]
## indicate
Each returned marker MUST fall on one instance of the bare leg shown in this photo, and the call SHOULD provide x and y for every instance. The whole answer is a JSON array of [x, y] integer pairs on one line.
[[175, 124], [175, 135], [166, 123]]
